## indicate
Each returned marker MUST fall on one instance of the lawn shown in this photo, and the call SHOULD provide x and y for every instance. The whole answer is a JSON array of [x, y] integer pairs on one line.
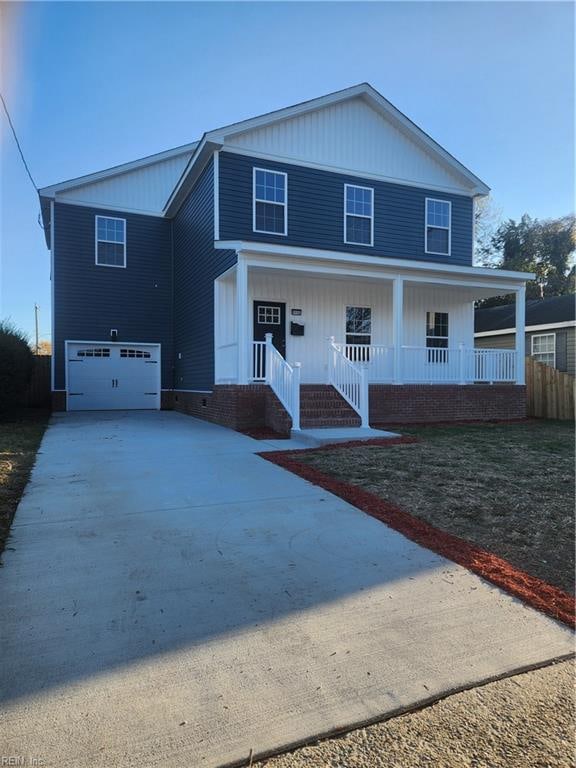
[[508, 488], [20, 436]]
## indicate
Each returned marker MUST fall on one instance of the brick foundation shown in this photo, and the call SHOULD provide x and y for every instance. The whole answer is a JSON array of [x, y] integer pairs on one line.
[[416, 403], [238, 407]]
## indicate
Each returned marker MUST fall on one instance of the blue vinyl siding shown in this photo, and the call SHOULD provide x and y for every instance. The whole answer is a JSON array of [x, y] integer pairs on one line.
[[89, 300], [316, 212], [196, 265]]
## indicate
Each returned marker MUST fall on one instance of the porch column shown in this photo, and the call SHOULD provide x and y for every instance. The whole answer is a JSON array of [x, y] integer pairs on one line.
[[242, 319], [520, 335], [397, 326]]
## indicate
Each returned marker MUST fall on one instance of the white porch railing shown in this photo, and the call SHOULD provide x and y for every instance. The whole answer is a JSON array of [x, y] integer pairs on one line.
[[490, 365], [349, 378], [268, 365], [378, 358], [433, 365]]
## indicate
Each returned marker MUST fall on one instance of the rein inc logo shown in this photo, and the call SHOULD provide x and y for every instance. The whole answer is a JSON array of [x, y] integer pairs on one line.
[[20, 760]]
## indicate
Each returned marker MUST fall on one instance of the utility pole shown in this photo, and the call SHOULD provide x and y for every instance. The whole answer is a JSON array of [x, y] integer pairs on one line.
[[36, 308]]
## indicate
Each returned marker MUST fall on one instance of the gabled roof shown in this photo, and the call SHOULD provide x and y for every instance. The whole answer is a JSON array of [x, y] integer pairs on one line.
[[556, 309], [217, 138], [116, 170]]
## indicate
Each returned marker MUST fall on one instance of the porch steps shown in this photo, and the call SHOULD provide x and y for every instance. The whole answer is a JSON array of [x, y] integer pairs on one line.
[[322, 406]]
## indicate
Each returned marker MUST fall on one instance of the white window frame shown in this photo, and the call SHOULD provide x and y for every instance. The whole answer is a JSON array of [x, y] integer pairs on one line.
[[536, 354], [97, 240], [271, 202], [449, 227], [359, 215]]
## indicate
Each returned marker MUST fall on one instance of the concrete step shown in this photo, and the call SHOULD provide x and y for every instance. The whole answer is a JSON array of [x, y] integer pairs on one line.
[[315, 438]]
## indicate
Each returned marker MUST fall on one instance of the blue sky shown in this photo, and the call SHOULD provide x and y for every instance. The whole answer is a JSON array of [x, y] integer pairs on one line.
[[91, 85]]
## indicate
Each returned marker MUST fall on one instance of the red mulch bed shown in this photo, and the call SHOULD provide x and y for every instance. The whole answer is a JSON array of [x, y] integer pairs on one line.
[[536, 592]]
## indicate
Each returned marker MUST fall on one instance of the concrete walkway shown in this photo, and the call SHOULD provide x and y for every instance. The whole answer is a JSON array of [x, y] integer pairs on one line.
[[171, 599]]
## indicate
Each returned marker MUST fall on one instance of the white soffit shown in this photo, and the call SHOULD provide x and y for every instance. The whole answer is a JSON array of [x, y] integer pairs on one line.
[[353, 136], [143, 188]]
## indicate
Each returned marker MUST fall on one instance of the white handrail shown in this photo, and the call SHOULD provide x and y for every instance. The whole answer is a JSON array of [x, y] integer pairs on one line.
[[349, 379], [284, 379], [378, 357]]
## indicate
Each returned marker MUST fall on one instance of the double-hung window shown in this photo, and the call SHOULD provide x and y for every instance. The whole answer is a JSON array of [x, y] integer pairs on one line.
[[358, 333], [110, 242], [437, 336], [358, 215], [270, 195], [438, 227], [544, 348]]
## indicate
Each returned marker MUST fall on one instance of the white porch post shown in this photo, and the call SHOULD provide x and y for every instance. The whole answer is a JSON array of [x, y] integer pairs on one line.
[[520, 335], [242, 320], [397, 326]]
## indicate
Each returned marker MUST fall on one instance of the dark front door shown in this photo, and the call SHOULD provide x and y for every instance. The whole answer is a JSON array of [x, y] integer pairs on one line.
[[269, 317]]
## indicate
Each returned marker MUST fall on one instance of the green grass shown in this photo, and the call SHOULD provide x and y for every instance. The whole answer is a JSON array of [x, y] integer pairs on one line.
[[507, 487], [20, 436]]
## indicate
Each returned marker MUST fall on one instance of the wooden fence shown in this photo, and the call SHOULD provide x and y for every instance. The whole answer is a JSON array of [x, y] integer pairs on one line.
[[38, 393], [550, 393]]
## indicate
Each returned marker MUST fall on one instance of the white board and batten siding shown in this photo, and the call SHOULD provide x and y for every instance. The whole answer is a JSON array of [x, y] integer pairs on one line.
[[112, 376], [144, 189], [351, 136], [323, 303]]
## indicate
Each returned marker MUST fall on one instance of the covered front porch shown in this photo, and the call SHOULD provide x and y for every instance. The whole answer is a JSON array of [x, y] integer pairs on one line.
[[351, 322]]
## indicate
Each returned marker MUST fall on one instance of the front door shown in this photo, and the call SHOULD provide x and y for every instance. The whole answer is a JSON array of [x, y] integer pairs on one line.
[[269, 317]]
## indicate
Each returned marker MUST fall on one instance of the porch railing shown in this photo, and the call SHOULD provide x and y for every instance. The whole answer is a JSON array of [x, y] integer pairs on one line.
[[378, 358], [349, 378], [433, 365], [268, 365]]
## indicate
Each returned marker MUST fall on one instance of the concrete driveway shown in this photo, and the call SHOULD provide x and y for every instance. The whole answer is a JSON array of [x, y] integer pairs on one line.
[[172, 599]]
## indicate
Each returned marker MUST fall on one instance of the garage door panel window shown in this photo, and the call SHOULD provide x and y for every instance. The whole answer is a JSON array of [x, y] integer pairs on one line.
[[110, 242], [96, 352], [134, 353]]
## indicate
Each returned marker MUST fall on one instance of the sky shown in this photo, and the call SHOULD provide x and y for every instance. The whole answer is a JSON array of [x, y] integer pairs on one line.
[[91, 85]]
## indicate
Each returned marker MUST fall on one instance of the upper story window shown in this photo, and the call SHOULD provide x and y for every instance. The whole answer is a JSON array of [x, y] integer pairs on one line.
[[110, 241], [544, 348], [438, 227], [270, 211], [358, 215]]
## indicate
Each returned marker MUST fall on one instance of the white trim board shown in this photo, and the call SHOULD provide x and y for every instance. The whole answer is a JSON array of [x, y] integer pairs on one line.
[[409, 265], [102, 207], [527, 329]]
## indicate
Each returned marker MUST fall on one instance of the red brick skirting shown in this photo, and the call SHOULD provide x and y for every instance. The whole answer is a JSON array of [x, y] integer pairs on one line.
[[419, 403], [536, 592], [253, 406]]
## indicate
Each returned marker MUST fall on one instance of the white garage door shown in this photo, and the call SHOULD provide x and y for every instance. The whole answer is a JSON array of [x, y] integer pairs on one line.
[[103, 376]]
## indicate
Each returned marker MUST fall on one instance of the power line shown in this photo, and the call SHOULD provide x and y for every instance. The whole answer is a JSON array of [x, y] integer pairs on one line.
[[18, 143]]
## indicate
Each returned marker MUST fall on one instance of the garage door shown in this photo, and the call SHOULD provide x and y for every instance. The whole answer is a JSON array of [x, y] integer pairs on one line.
[[104, 376]]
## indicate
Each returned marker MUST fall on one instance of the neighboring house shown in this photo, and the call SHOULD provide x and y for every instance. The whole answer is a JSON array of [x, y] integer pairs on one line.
[[336, 225], [550, 330]]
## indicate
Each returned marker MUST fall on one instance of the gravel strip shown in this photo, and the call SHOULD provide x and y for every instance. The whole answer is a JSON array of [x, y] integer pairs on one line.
[[525, 721]]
